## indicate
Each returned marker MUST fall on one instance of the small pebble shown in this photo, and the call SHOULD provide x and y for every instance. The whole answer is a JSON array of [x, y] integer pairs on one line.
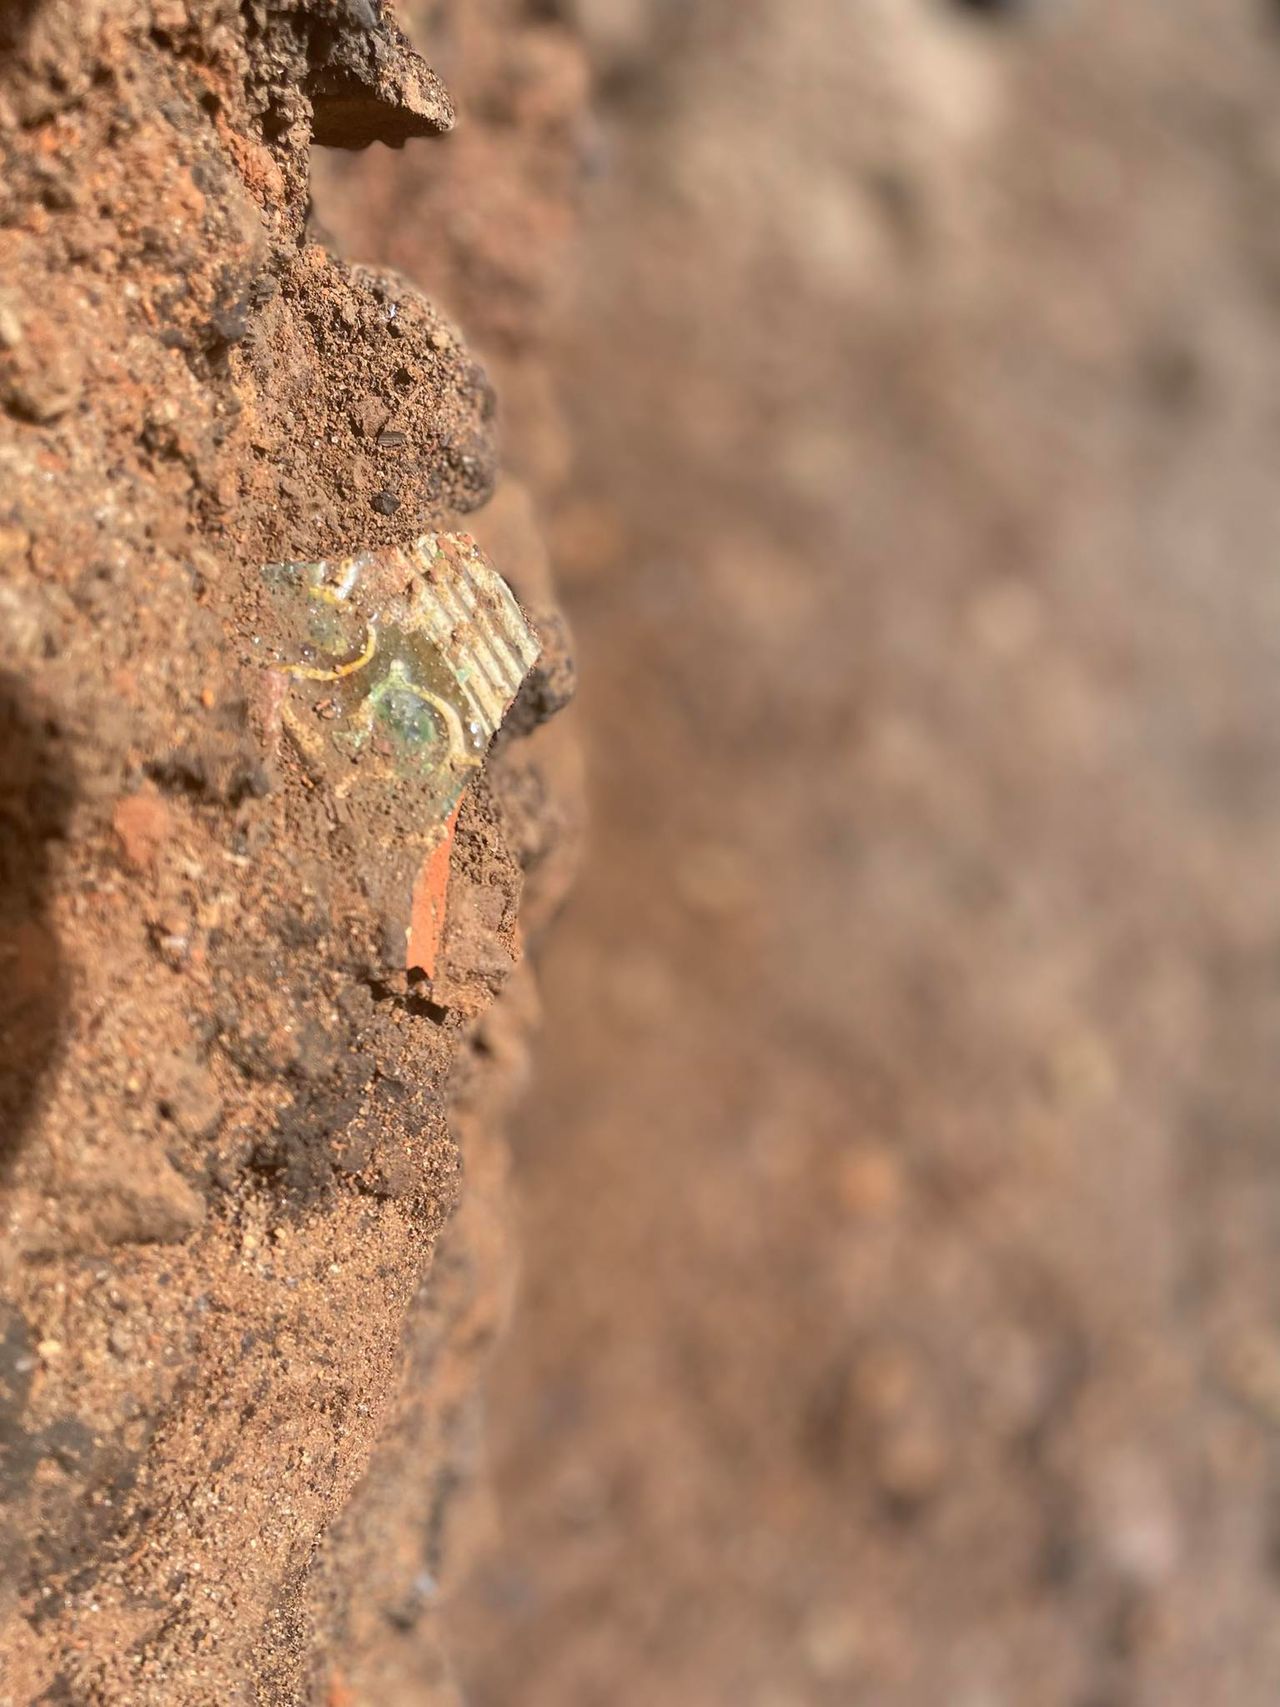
[[386, 503], [392, 439], [869, 1182], [911, 1463]]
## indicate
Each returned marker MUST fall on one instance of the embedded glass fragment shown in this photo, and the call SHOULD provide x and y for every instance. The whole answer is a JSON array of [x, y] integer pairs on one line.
[[402, 661]]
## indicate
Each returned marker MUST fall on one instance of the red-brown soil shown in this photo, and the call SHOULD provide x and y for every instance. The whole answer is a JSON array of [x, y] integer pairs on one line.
[[232, 1121]]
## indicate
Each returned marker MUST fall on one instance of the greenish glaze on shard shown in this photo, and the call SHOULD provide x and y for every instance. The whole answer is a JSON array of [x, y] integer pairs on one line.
[[401, 663]]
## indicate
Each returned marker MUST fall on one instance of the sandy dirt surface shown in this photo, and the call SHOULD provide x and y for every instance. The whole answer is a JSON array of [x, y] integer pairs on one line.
[[232, 1112], [900, 1190]]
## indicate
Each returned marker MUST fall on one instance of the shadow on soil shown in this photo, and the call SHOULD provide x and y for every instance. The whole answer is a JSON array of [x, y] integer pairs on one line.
[[36, 792]]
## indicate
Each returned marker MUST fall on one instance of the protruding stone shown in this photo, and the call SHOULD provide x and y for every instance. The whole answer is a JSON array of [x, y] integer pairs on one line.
[[369, 85]]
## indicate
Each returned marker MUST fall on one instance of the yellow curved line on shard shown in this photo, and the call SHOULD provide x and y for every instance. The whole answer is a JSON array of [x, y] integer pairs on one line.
[[309, 673]]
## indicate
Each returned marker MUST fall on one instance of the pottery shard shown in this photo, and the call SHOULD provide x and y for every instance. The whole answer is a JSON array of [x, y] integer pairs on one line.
[[430, 895]]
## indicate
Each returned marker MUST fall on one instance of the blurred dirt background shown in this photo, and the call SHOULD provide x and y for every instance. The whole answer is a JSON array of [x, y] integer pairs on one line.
[[898, 1322]]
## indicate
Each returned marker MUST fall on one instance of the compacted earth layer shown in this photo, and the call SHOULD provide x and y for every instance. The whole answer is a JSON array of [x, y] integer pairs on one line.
[[232, 1124]]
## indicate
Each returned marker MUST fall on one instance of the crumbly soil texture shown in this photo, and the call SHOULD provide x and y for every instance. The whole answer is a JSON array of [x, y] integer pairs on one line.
[[229, 1120]]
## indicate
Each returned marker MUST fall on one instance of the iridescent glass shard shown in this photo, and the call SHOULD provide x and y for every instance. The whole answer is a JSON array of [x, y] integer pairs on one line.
[[402, 662], [397, 668]]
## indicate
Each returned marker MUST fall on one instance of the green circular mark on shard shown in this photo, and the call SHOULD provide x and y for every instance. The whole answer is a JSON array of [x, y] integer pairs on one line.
[[408, 718], [404, 714]]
